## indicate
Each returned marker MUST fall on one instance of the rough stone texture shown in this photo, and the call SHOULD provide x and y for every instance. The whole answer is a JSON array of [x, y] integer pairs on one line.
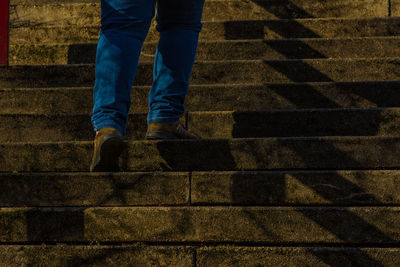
[[62, 127], [296, 188], [317, 122], [206, 72], [216, 154], [226, 30], [69, 127], [395, 7], [106, 189], [65, 13], [301, 256], [222, 50], [206, 211], [217, 124], [357, 225], [214, 97], [63, 255]]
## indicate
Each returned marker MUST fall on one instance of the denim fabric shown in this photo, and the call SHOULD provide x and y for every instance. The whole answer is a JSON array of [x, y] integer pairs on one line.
[[124, 26]]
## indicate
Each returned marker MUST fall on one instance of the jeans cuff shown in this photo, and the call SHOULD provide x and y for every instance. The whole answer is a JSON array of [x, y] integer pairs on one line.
[[162, 119]]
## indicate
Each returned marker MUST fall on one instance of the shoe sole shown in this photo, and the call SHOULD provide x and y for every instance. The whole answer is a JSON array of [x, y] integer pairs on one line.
[[110, 150]]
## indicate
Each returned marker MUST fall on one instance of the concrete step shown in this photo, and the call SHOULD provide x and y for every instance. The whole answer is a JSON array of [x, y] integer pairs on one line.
[[110, 189], [222, 72], [297, 188], [68, 127], [283, 188], [226, 30], [67, 13], [306, 225], [395, 8], [214, 97], [96, 255], [293, 256], [202, 256], [213, 154], [222, 50], [287, 123], [217, 124]]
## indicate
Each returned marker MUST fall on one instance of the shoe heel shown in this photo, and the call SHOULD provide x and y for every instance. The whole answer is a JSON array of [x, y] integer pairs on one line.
[[110, 151]]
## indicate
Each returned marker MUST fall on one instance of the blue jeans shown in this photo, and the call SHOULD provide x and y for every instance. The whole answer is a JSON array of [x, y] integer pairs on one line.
[[124, 27]]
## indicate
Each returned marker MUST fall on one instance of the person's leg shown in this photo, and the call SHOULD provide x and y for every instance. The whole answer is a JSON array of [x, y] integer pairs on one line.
[[124, 26], [179, 24]]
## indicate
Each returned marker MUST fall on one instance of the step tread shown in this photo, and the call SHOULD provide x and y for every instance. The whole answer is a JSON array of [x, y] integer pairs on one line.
[[204, 255], [284, 188], [368, 47], [337, 225], [346, 152], [222, 30], [214, 124], [226, 71], [111, 255], [84, 12], [217, 97]]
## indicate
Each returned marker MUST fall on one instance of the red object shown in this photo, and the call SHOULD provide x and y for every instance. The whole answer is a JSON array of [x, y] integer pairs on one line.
[[3, 32]]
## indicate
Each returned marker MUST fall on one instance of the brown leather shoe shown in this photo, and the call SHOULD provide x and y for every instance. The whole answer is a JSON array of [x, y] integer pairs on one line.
[[168, 130], [108, 145]]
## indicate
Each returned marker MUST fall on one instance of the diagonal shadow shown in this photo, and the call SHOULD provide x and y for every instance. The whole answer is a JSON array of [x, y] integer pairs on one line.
[[343, 223], [286, 123], [333, 224], [243, 30]]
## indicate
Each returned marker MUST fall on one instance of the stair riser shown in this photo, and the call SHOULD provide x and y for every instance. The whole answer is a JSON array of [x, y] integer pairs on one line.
[[361, 225], [203, 256], [309, 256], [206, 188], [296, 188], [88, 13], [219, 154], [214, 98], [238, 50], [58, 128], [105, 190], [395, 8], [229, 30], [295, 123], [379, 122], [76, 255], [222, 72]]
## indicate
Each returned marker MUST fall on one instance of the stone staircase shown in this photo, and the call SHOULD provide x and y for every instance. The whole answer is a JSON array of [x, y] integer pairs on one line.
[[298, 102]]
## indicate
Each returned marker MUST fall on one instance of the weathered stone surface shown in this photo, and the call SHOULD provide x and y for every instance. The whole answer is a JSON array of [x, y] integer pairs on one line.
[[66, 13], [395, 7], [280, 171], [62, 127], [68, 127], [64, 255], [212, 154], [299, 256], [222, 50], [99, 189], [217, 124], [226, 30], [356, 225], [317, 122], [296, 188], [222, 72], [214, 97]]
